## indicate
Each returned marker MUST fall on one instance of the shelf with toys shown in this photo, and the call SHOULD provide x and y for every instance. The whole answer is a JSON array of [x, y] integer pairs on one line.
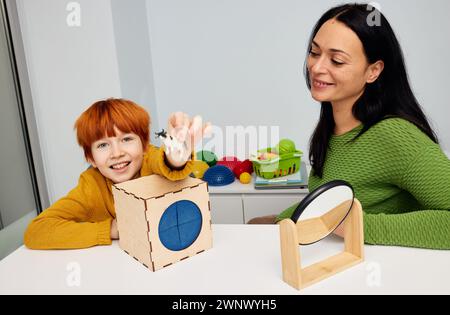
[[236, 198]]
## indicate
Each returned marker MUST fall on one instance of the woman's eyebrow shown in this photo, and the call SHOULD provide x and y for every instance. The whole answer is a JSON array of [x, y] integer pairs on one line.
[[332, 49]]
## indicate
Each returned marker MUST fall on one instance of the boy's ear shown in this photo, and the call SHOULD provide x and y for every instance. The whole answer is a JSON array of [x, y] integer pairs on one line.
[[92, 163]]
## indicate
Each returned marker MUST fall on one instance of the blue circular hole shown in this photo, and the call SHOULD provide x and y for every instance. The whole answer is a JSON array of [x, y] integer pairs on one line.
[[180, 225]]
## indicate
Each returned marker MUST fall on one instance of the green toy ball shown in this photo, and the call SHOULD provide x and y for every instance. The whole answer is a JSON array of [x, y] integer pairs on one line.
[[285, 146], [207, 156]]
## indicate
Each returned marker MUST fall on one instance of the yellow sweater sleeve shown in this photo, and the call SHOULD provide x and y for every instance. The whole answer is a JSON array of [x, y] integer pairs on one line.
[[155, 163], [79, 220]]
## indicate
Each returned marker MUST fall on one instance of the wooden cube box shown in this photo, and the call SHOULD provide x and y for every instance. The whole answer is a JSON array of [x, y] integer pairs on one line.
[[161, 222]]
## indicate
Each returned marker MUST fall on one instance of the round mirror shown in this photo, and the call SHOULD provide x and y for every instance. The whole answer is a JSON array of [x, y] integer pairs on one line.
[[322, 211]]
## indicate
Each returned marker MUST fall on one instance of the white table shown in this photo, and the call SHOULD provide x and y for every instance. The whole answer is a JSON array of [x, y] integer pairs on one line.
[[244, 260]]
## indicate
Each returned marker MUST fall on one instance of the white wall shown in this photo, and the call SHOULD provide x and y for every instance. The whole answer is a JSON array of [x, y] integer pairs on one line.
[[238, 62], [235, 62], [423, 28], [69, 68], [134, 55]]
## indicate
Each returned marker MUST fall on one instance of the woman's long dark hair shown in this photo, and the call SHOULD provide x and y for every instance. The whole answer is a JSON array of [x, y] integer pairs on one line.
[[389, 96]]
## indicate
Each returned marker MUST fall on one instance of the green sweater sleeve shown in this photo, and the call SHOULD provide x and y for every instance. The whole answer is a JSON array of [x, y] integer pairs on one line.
[[427, 178], [287, 213]]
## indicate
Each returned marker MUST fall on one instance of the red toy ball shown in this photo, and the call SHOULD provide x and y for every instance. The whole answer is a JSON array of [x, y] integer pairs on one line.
[[229, 161], [243, 167]]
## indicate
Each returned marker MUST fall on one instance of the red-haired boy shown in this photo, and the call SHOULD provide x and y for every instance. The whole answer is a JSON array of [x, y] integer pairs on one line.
[[114, 135]]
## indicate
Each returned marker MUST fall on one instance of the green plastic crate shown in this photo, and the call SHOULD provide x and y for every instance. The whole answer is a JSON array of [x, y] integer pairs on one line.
[[283, 165]]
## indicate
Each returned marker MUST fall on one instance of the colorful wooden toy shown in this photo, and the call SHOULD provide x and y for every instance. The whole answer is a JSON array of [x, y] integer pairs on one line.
[[161, 222]]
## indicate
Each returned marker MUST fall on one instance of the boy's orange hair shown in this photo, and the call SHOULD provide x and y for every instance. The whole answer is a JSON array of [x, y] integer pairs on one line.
[[99, 119]]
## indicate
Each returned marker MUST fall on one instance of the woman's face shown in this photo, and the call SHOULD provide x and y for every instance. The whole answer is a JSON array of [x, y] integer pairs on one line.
[[118, 158], [337, 65]]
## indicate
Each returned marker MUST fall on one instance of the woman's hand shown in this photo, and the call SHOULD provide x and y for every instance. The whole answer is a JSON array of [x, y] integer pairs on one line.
[[184, 133], [114, 231]]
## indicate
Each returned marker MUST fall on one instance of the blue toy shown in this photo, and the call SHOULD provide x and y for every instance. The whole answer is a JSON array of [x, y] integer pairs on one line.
[[218, 175], [180, 225]]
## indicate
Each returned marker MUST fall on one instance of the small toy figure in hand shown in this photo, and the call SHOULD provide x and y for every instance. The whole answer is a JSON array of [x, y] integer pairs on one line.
[[173, 147], [182, 136]]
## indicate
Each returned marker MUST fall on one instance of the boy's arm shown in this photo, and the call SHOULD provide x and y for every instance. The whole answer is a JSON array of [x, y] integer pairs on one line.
[[65, 225], [155, 160]]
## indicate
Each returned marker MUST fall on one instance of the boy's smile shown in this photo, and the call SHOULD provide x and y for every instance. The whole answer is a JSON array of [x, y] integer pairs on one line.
[[120, 167], [118, 158]]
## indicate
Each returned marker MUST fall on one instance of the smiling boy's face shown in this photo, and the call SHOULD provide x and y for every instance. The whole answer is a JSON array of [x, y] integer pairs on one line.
[[118, 158]]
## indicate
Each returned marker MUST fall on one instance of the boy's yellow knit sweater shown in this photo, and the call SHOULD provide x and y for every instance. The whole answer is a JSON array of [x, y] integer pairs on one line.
[[83, 218]]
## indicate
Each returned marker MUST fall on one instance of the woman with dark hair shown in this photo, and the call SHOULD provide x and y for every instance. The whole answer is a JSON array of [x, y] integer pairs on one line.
[[372, 132]]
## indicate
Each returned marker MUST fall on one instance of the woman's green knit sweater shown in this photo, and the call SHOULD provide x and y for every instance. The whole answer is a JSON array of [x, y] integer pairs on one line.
[[402, 179]]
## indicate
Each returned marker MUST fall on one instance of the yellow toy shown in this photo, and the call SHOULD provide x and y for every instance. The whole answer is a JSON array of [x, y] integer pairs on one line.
[[245, 178], [199, 168]]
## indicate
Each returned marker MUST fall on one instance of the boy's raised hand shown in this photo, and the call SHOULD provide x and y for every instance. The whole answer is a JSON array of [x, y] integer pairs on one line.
[[184, 134]]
